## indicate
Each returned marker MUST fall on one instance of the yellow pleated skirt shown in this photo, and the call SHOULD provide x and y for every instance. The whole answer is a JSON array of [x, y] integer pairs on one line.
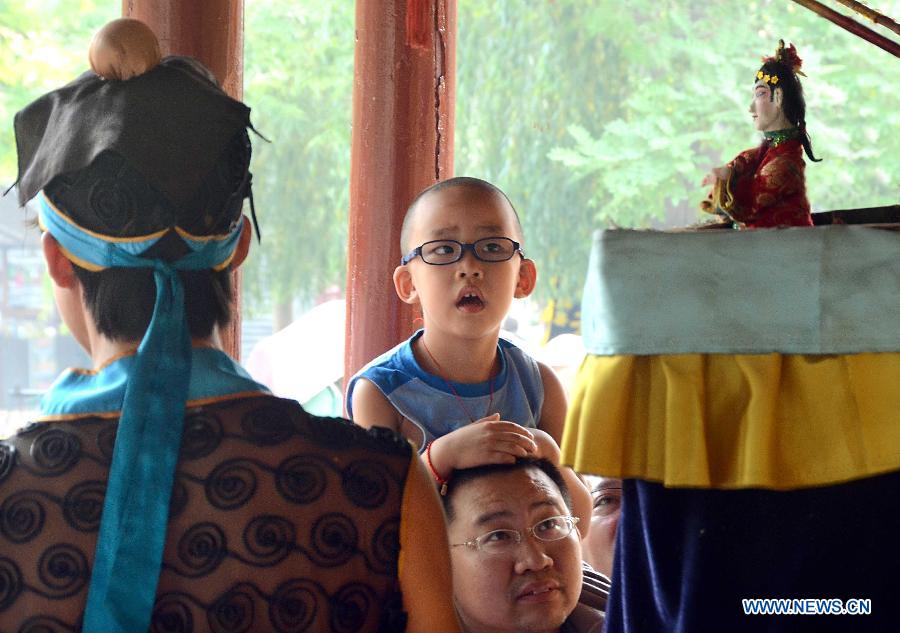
[[736, 421]]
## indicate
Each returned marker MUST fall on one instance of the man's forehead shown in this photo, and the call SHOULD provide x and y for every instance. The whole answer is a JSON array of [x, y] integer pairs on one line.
[[507, 493]]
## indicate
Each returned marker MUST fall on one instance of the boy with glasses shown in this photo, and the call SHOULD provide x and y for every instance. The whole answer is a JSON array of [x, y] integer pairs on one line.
[[465, 396]]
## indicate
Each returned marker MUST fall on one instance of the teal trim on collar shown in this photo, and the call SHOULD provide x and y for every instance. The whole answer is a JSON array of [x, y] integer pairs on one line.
[[83, 393]]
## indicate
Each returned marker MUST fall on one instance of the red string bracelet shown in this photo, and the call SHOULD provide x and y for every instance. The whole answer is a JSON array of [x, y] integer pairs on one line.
[[434, 473]]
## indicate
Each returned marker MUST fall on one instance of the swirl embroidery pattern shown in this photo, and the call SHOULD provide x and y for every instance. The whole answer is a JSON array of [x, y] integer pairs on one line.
[[278, 521]]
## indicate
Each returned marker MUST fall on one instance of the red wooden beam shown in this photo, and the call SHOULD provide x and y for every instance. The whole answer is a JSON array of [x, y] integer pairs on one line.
[[211, 31], [872, 14], [402, 141], [851, 25]]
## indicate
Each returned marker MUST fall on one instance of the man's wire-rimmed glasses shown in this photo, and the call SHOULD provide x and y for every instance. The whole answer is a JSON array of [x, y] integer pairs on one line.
[[548, 530], [443, 252]]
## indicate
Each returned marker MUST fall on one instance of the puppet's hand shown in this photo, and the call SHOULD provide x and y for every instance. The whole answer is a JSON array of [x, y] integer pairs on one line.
[[717, 173]]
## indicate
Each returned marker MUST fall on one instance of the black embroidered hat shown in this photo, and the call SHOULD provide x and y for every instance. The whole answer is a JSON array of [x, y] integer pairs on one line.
[[128, 156]]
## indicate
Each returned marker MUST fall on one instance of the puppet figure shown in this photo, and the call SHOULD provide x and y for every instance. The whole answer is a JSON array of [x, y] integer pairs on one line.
[[765, 186]]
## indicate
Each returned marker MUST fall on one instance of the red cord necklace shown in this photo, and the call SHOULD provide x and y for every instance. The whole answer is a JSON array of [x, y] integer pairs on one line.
[[453, 390]]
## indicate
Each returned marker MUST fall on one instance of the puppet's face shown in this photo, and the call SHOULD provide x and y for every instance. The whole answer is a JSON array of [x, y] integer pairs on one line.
[[766, 108]]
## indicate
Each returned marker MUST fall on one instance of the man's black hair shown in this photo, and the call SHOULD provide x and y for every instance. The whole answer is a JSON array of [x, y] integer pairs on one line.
[[460, 478]]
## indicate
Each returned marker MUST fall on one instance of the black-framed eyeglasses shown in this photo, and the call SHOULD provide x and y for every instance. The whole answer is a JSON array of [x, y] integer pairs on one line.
[[548, 530], [443, 252]]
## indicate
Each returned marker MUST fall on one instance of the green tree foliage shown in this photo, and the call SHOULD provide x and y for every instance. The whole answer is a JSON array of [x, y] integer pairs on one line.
[[592, 114], [526, 72], [587, 114], [688, 95], [299, 81], [43, 45]]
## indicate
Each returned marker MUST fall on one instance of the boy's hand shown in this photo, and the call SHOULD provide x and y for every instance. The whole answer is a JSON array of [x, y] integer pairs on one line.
[[489, 440], [547, 448]]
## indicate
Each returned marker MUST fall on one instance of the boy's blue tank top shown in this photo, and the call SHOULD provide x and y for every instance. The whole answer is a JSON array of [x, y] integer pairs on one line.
[[425, 399]]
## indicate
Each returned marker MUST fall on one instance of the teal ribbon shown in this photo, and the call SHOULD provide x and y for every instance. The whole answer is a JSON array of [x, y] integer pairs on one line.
[[136, 507]]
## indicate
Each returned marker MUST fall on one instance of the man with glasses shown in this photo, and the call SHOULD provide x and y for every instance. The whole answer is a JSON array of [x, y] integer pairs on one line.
[[515, 551]]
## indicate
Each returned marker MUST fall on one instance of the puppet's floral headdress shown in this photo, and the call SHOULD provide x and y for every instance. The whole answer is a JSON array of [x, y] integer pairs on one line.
[[787, 56]]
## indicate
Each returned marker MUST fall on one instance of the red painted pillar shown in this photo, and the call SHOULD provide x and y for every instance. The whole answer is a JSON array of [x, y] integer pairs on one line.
[[402, 141], [211, 31]]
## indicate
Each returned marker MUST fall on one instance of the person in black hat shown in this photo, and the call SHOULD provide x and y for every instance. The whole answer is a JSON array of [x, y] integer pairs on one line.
[[164, 488]]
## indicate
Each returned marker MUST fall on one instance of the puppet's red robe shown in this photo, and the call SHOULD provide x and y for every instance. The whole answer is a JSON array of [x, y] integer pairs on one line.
[[769, 186]]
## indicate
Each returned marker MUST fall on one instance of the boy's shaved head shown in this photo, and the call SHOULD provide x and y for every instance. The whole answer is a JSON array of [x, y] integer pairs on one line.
[[473, 184]]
